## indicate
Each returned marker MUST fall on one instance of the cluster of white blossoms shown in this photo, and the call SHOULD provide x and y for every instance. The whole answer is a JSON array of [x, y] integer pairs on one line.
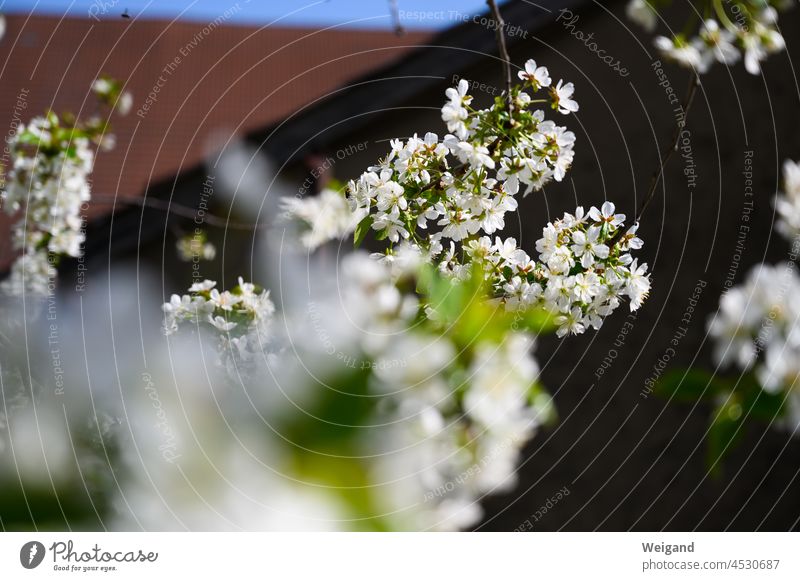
[[47, 187], [447, 445], [457, 415], [447, 416], [110, 92], [787, 203], [584, 270], [241, 317], [584, 266], [457, 412], [757, 328], [444, 199], [745, 29], [466, 182], [452, 401], [429, 190]]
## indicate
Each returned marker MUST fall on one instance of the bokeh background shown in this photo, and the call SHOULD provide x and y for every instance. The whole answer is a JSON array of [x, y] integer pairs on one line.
[[317, 91]]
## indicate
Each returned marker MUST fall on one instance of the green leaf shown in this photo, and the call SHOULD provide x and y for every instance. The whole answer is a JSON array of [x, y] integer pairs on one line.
[[765, 406], [28, 138], [734, 404], [361, 231], [537, 320], [758, 403], [338, 185], [725, 432], [340, 412], [691, 385], [469, 316]]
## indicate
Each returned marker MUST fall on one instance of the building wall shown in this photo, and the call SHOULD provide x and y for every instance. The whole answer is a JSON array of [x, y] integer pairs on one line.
[[194, 85]]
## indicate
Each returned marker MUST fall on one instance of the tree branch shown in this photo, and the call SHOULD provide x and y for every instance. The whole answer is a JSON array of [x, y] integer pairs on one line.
[[694, 83], [173, 208], [667, 154], [398, 26], [503, 50]]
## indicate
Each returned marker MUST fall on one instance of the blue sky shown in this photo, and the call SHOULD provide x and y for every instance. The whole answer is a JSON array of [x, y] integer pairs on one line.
[[430, 14]]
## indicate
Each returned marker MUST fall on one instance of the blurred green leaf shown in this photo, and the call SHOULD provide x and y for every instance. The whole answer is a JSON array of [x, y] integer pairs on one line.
[[725, 432], [29, 138], [338, 415], [467, 310], [537, 320], [758, 403], [734, 404], [361, 231], [541, 400], [338, 185], [444, 295], [691, 385]]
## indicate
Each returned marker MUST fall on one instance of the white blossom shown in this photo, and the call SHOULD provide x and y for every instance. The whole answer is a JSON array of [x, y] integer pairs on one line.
[[606, 214], [761, 40], [326, 216], [537, 76], [562, 98], [642, 13], [716, 44], [455, 113], [681, 52], [787, 203], [586, 246]]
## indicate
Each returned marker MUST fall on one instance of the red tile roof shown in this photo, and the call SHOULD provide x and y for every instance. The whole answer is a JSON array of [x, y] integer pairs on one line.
[[210, 80]]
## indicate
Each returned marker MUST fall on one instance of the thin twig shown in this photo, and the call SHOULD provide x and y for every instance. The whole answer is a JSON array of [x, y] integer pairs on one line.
[[398, 26], [694, 83], [173, 208], [500, 26], [667, 154]]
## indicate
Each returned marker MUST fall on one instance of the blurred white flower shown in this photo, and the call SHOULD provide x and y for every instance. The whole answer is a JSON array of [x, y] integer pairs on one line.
[[681, 52], [327, 216], [756, 328], [195, 247], [643, 14], [716, 44], [753, 36], [787, 203]]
